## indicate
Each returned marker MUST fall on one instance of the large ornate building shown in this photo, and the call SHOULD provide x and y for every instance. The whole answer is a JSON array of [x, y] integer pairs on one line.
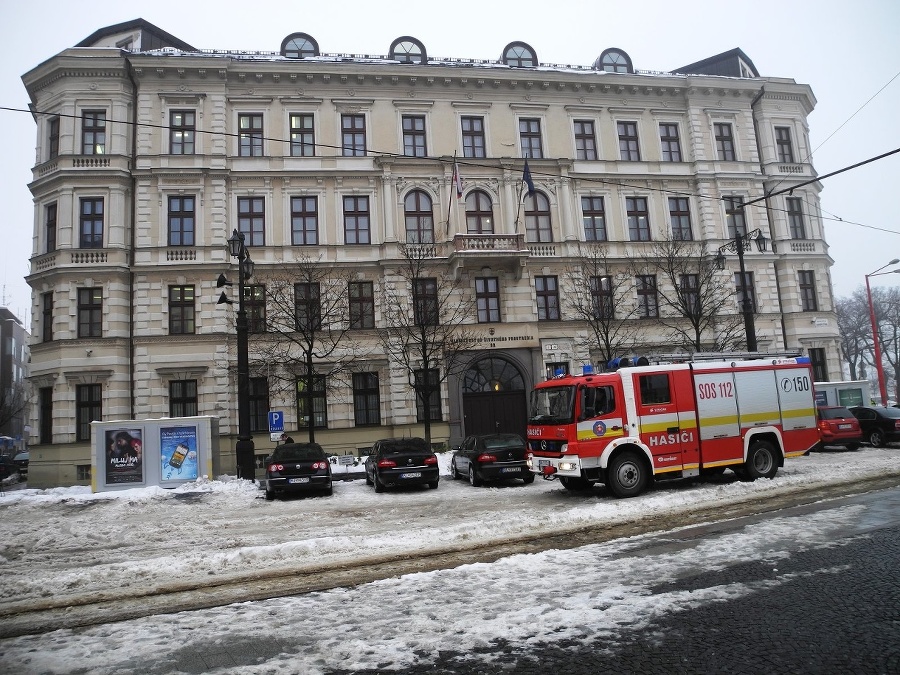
[[151, 153]]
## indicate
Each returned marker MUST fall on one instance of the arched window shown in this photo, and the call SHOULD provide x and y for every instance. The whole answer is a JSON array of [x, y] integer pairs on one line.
[[614, 61], [537, 218], [299, 46], [519, 55], [479, 213], [419, 219], [408, 50], [492, 374]]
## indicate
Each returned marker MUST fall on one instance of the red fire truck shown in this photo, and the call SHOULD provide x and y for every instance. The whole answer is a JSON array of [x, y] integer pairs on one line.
[[674, 420]]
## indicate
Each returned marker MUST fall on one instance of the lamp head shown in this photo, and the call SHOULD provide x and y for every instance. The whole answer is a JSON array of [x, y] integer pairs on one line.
[[762, 243], [236, 244]]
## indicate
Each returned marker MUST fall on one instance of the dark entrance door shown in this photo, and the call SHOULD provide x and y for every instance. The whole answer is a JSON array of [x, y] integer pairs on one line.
[[494, 399]]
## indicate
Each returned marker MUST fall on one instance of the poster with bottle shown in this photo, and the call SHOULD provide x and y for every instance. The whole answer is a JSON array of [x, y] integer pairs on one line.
[[178, 453], [124, 456]]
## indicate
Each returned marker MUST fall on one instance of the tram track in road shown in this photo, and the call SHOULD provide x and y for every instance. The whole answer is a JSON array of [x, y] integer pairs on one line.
[[17, 619]]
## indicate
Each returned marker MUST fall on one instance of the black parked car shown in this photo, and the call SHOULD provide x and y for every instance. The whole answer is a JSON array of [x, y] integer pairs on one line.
[[879, 425], [21, 461], [401, 461], [7, 467], [297, 467], [491, 457]]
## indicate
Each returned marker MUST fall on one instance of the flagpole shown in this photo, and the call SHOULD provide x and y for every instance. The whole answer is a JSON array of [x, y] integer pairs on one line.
[[450, 194]]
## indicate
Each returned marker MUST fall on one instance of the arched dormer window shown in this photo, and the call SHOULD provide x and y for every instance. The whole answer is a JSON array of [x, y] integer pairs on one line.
[[519, 55], [299, 46], [408, 50], [614, 61]]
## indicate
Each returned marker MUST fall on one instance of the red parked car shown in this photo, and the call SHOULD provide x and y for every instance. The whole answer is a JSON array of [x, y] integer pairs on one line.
[[838, 426]]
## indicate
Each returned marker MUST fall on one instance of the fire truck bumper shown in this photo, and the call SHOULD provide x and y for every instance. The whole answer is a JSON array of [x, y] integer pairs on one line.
[[555, 466]]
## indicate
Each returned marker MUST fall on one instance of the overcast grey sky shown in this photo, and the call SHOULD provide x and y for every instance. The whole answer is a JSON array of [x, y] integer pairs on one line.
[[849, 53]]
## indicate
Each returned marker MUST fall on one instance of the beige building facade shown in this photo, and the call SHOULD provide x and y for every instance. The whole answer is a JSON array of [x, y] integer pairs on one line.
[[150, 153]]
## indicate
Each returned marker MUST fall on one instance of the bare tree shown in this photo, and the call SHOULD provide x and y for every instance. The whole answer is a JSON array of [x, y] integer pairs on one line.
[[856, 334], [427, 317], [600, 296], [13, 401], [307, 344], [696, 300], [887, 318]]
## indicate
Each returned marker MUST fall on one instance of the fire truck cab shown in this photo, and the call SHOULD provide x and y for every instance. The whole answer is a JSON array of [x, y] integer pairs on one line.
[[676, 420]]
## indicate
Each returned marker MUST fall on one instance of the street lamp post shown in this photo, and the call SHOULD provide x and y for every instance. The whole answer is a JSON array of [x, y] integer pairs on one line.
[[244, 449], [876, 346], [739, 244]]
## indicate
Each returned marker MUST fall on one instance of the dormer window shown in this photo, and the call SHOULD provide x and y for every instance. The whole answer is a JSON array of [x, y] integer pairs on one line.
[[407, 50], [299, 46], [519, 55], [614, 61]]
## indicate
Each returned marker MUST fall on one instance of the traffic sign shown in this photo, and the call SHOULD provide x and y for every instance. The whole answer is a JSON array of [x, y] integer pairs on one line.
[[276, 421]]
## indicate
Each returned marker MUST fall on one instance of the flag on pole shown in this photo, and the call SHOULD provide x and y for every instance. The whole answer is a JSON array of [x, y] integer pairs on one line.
[[526, 176], [457, 181]]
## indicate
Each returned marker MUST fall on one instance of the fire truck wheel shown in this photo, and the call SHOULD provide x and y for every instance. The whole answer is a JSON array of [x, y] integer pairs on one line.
[[575, 484], [626, 475], [761, 461], [473, 477]]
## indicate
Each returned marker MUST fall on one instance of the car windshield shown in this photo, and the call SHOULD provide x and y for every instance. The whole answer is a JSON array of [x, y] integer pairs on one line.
[[834, 413], [499, 442], [553, 405], [296, 453]]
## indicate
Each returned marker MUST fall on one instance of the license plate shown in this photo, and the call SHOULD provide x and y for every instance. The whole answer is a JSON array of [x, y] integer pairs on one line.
[[845, 426], [511, 469], [543, 462], [298, 480], [413, 474]]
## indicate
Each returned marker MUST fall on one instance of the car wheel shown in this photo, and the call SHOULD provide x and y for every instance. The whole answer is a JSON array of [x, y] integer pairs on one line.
[[626, 475], [876, 438], [761, 461], [853, 446], [454, 472], [368, 480], [528, 478], [329, 491], [379, 486], [433, 485], [269, 495], [473, 477]]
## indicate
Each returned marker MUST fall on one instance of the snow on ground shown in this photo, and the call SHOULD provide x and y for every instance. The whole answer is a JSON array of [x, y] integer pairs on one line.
[[66, 542]]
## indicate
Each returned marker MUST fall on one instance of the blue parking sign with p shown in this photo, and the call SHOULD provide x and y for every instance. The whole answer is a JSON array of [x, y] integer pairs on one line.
[[276, 421]]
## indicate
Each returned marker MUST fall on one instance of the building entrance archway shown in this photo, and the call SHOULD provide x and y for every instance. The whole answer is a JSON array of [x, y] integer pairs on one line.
[[494, 398]]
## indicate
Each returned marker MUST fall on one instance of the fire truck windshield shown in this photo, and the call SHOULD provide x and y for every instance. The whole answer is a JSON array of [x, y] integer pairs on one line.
[[552, 405]]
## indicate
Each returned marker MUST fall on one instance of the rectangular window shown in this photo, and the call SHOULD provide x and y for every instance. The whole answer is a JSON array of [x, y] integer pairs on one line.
[[654, 389], [183, 398], [83, 472], [734, 217], [602, 305], [638, 218], [414, 136], [45, 424], [745, 290], [434, 397], [47, 317], [311, 403], [669, 142], [648, 302], [255, 306], [366, 400], [353, 135], [181, 310], [250, 135], [304, 221], [53, 138], [362, 304], [90, 312], [818, 363], [487, 298], [307, 307], [252, 220], [689, 290], [808, 300], [530, 138], [795, 217], [259, 404], [93, 132], [594, 217], [356, 220], [181, 220], [783, 144], [724, 142], [303, 140], [585, 140], [182, 131], [50, 227], [680, 217], [473, 137], [425, 302], [91, 223], [629, 151], [547, 294], [88, 408]]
